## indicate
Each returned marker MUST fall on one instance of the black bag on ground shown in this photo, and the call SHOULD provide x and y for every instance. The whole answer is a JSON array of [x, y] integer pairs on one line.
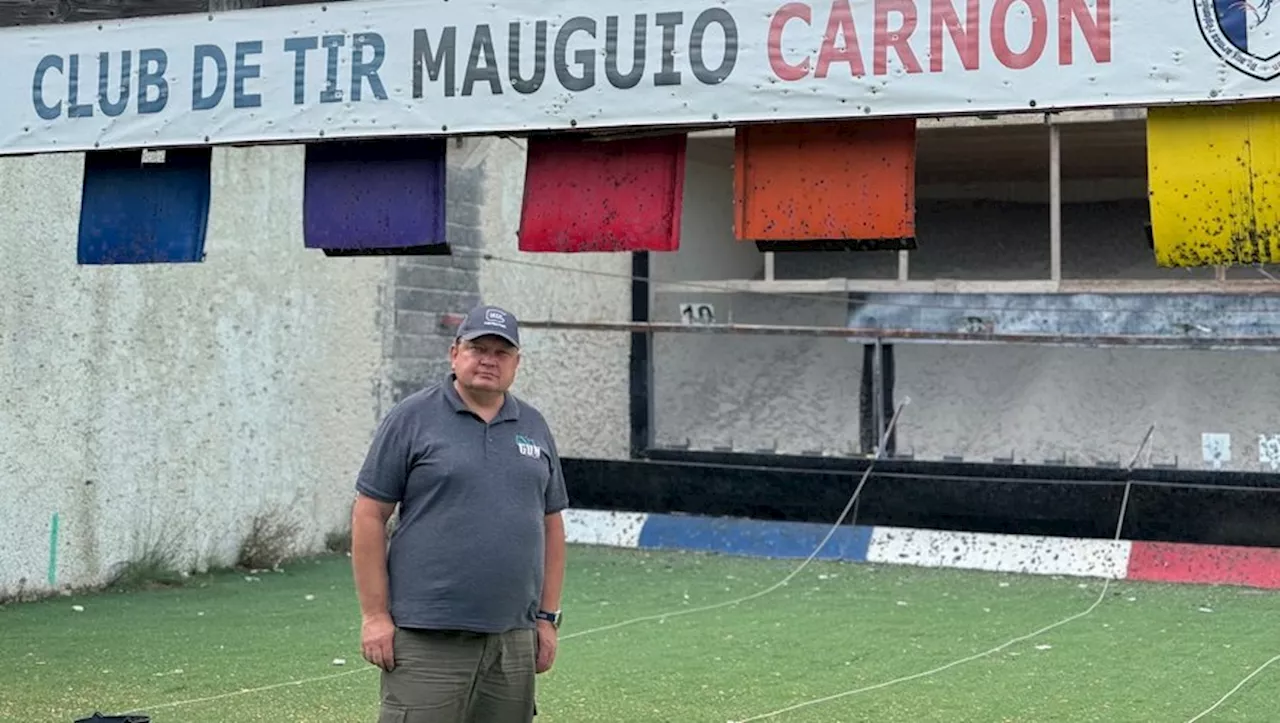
[[100, 718]]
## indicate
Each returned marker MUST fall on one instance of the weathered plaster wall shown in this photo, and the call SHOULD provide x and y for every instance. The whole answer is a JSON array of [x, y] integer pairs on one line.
[[981, 402], [795, 394], [427, 290], [140, 402], [579, 379], [1085, 405], [175, 403]]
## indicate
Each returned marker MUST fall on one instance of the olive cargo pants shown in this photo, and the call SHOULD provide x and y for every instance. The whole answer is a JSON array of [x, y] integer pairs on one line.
[[460, 677]]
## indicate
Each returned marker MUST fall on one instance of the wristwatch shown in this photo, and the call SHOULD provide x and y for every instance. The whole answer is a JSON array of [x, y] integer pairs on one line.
[[551, 617]]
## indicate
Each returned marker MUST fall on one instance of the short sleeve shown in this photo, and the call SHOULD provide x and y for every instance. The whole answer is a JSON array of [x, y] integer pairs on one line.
[[385, 471], [557, 497]]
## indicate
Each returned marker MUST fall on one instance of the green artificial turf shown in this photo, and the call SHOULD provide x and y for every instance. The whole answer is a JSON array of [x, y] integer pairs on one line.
[[1147, 653]]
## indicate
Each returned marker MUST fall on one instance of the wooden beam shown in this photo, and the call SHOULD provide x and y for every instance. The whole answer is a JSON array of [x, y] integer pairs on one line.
[[912, 335], [927, 124], [948, 286], [55, 12], [1055, 202], [22, 13]]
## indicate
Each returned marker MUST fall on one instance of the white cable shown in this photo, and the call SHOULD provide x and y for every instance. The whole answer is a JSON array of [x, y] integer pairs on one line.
[[246, 691], [1236, 689], [853, 498], [865, 476], [927, 673], [916, 676], [761, 593]]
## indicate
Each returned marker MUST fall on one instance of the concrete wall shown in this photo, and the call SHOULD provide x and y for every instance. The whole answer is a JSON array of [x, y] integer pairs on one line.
[[171, 405], [579, 379], [794, 394], [981, 402], [142, 403]]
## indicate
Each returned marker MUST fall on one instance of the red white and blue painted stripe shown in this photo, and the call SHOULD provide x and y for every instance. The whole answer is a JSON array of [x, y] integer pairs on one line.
[[1026, 554]]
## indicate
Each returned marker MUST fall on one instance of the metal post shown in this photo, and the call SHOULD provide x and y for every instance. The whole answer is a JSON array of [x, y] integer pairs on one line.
[[1055, 201], [904, 265], [650, 382], [768, 266], [877, 392]]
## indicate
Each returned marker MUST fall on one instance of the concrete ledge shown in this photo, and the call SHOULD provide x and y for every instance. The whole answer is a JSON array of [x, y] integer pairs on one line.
[[1000, 553], [754, 538], [1117, 560], [598, 527], [1207, 564]]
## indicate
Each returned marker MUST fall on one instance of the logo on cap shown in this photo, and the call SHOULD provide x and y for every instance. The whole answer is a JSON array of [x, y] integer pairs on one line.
[[495, 317]]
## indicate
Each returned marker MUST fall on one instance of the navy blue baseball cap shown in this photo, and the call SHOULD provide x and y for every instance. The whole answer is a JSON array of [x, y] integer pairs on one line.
[[490, 321]]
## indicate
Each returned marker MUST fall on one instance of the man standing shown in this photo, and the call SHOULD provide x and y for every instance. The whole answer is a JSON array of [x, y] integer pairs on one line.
[[461, 608]]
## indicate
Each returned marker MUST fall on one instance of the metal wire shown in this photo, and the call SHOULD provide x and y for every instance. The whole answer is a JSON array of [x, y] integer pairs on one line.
[[942, 477], [909, 335], [845, 297]]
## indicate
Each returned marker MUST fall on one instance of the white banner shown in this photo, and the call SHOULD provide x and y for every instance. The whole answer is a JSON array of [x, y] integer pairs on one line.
[[430, 67]]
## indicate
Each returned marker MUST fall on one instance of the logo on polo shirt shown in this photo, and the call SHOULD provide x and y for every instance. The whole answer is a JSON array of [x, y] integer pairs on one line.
[[528, 447]]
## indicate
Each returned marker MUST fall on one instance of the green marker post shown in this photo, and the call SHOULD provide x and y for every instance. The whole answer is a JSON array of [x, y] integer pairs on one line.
[[53, 550]]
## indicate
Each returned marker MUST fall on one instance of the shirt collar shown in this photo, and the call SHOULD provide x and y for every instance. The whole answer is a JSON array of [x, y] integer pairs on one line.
[[510, 407]]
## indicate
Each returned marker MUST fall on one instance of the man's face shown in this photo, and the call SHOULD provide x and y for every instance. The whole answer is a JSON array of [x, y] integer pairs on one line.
[[487, 363]]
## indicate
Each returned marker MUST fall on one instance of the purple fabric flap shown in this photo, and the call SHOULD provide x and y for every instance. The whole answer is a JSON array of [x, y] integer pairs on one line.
[[371, 195]]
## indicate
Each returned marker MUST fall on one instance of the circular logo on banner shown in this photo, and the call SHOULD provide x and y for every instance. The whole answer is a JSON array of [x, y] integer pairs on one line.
[[1244, 33]]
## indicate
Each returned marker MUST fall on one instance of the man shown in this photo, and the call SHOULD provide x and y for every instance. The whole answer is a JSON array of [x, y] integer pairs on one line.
[[461, 608]]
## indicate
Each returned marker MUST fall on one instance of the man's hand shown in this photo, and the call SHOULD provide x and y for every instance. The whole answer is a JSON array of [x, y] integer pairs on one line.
[[376, 634], [548, 638]]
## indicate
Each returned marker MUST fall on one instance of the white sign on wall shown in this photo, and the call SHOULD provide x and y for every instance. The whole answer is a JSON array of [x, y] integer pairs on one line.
[[697, 314], [1215, 448], [1269, 451], [432, 67]]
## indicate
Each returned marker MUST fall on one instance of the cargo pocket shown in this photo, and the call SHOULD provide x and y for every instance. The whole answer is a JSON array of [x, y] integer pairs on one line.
[[393, 715]]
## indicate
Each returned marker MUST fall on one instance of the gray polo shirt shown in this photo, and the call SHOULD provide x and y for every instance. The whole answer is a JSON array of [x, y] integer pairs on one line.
[[467, 552]]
